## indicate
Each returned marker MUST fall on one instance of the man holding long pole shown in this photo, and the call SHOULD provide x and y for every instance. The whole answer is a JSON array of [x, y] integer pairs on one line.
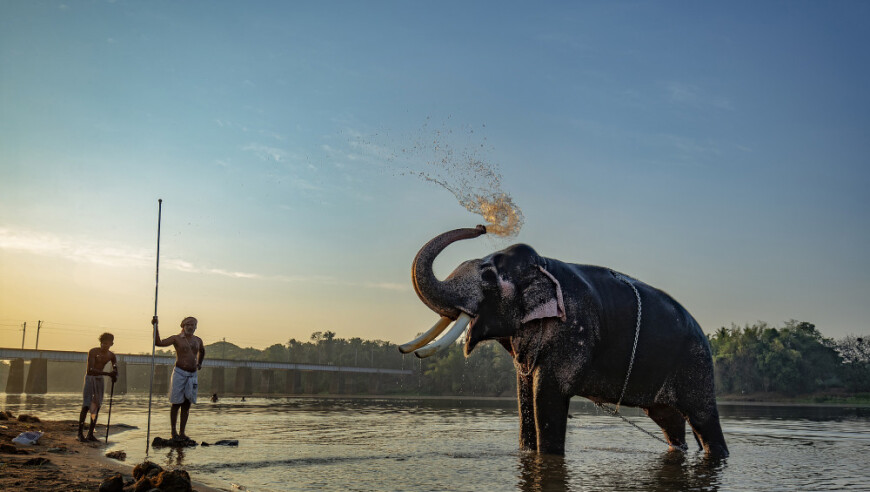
[[92, 392], [189, 354]]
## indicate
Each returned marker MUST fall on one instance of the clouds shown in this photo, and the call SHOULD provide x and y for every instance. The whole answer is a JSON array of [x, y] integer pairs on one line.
[[87, 251], [78, 250]]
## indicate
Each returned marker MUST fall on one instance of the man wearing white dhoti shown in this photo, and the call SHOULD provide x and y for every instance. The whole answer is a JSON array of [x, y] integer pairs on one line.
[[189, 354]]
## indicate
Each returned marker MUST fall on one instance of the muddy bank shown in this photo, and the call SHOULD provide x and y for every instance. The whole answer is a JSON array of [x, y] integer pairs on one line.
[[58, 461]]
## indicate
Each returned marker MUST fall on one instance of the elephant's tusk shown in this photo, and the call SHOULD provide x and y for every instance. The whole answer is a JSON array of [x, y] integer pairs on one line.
[[427, 337], [446, 340]]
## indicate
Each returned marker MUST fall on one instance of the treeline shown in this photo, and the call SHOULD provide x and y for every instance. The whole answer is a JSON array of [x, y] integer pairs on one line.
[[794, 359], [322, 348]]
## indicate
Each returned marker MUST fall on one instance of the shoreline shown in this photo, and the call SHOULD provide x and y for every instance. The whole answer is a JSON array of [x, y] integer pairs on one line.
[[773, 403], [58, 461], [724, 400], [754, 400]]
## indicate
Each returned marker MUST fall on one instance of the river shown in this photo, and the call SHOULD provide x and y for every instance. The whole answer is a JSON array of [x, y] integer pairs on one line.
[[471, 445]]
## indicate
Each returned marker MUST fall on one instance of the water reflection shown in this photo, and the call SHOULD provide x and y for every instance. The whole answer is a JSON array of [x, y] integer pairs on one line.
[[667, 471], [25, 402], [677, 471], [175, 457], [542, 473], [34, 402], [12, 399]]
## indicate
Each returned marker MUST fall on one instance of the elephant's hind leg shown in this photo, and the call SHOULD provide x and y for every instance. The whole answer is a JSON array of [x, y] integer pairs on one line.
[[672, 423], [707, 429], [696, 399]]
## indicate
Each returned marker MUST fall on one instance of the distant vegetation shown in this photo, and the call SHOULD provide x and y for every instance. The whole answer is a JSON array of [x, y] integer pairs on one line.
[[756, 361], [794, 360]]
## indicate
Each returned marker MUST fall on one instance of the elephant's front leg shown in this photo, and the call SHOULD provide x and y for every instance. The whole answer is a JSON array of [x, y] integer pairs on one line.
[[525, 399], [551, 414]]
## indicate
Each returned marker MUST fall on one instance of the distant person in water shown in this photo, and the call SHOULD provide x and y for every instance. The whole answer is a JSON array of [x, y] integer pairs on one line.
[[189, 354], [214, 398], [94, 388]]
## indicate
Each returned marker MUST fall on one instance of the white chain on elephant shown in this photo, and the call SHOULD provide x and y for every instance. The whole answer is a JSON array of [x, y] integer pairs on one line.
[[636, 333], [615, 411]]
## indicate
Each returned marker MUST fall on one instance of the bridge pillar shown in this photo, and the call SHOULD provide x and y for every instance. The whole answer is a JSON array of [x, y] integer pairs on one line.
[[267, 381], [161, 379], [343, 380], [218, 378], [15, 380], [121, 385], [375, 384], [292, 382], [37, 377], [334, 383], [308, 383], [350, 380], [243, 381]]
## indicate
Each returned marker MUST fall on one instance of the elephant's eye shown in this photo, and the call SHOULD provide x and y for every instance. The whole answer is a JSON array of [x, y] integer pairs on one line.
[[489, 276]]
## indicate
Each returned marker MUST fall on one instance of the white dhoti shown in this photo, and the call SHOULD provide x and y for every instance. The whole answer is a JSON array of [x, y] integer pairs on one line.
[[184, 385], [92, 393]]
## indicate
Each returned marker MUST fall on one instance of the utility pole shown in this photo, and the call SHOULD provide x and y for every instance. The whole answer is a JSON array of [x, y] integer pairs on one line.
[[23, 332], [38, 326]]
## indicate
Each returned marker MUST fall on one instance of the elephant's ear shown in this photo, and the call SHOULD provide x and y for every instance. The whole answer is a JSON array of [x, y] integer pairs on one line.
[[542, 298]]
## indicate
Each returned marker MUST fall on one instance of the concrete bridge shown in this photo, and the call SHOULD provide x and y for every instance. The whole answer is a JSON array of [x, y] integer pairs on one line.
[[249, 377]]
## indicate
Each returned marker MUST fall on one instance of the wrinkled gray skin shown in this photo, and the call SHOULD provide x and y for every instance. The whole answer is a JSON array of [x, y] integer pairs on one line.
[[570, 329]]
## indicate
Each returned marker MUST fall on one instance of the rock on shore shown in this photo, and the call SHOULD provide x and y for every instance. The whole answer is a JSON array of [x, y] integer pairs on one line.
[[148, 476]]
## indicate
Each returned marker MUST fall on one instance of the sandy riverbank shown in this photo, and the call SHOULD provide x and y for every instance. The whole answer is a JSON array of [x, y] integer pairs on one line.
[[58, 461]]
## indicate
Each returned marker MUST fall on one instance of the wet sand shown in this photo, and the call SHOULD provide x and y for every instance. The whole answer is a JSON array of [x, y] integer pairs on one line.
[[58, 461]]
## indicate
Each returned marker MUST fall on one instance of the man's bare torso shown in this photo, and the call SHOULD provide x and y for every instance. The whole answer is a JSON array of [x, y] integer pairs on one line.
[[186, 351], [97, 360]]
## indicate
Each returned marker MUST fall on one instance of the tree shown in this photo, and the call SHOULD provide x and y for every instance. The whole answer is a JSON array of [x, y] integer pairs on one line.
[[793, 359], [855, 371]]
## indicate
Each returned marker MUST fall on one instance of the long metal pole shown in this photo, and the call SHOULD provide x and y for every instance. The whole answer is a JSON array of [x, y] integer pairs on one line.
[[38, 326], [23, 333], [154, 326]]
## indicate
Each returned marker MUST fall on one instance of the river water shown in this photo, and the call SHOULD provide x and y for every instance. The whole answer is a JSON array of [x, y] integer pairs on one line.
[[471, 445]]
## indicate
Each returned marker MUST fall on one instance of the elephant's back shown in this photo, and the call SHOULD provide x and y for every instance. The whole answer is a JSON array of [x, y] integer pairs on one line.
[[661, 314], [669, 339]]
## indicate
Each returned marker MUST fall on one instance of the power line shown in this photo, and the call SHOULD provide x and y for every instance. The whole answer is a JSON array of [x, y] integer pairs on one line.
[[73, 324]]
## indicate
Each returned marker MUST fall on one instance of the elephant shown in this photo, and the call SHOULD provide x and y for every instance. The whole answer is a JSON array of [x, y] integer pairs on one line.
[[574, 330]]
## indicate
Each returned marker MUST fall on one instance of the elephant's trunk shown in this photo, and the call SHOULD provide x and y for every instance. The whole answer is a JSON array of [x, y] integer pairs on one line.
[[433, 292]]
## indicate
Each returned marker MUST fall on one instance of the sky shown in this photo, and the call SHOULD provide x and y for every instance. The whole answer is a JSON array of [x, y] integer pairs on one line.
[[717, 151]]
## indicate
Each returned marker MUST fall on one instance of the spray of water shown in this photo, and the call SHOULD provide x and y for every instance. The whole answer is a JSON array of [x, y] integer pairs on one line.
[[502, 216], [454, 160]]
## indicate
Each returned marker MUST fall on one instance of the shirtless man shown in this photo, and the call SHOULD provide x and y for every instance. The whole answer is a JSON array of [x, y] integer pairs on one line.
[[94, 387], [189, 354]]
